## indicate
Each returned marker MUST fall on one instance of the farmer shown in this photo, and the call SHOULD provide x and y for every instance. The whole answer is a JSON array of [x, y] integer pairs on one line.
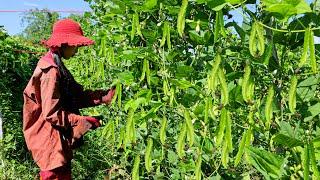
[[52, 124]]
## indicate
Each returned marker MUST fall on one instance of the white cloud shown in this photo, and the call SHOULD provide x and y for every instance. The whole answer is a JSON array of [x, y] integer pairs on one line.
[[30, 4]]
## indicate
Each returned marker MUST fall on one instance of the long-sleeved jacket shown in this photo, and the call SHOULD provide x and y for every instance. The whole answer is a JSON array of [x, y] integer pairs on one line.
[[51, 120]]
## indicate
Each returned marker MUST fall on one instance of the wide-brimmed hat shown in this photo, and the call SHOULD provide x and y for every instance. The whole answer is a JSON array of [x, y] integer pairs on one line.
[[67, 31]]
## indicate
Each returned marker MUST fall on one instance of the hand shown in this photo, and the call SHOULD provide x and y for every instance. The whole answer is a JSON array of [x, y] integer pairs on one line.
[[108, 98], [95, 122]]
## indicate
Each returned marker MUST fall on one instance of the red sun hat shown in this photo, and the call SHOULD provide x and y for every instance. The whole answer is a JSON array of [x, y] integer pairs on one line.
[[67, 31]]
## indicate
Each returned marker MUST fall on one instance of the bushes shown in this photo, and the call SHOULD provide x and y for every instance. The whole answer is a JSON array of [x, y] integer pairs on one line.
[[196, 82], [15, 70]]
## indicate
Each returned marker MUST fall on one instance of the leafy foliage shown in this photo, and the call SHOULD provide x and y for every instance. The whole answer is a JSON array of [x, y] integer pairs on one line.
[[15, 69], [192, 85]]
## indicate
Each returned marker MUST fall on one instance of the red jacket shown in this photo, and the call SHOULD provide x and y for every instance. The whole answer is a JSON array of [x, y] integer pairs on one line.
[[51, 120]]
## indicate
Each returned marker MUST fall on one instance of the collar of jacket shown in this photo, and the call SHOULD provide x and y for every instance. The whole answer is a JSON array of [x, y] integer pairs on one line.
[[47, 61]]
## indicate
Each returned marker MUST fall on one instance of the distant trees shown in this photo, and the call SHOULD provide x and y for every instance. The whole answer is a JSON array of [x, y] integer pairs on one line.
[[38, 24]]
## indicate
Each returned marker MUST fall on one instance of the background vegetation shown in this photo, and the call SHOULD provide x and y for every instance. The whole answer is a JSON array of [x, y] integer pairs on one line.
[[201, 96]]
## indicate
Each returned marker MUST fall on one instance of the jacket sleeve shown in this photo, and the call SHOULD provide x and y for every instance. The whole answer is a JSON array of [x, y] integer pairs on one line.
[[51, 102], [88, 98]]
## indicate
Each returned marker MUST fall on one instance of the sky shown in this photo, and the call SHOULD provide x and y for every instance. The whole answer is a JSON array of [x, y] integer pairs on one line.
[[12, 20]]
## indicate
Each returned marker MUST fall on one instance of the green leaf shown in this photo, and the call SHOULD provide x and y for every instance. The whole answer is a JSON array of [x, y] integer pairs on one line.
[[149, 4], [239, 30], [236, 95], [183, 71], [200, 39], [307, 88], [267, 163], [283, 9], [172, 157], [201, 1], [152, 111], [315, 109], [217, 5], [126, 78], [306, 93], [181, 83], [134, 103], [287, 140], [234, 1], [287, 129], [313, 80], [302, 7], [208, 145]]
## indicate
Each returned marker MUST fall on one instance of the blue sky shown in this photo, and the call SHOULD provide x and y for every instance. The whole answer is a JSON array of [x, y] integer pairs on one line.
[[12, 21]]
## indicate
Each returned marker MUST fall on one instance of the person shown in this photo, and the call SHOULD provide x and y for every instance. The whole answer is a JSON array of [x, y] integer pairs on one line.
[[52, 124]]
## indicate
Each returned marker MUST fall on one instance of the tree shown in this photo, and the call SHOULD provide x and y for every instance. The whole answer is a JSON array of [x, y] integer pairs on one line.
[[38, 24]]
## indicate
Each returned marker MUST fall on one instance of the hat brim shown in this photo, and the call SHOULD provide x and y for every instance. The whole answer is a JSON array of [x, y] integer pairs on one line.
[[70, 39]]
